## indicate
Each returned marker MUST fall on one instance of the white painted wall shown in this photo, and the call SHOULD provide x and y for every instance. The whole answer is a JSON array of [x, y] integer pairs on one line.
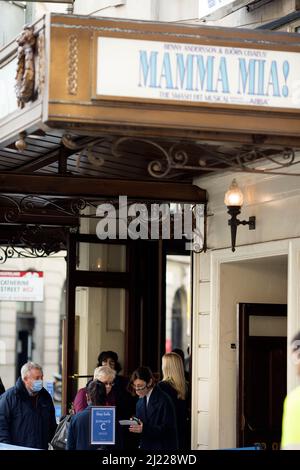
[[10, 28], [270, 198], [133, 9], [201, 353], [186, 11], [155, 10], [255, 281], [178, 10], [275, 201]]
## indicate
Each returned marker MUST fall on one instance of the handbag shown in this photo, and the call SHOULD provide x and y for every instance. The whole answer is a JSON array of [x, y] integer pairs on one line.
[[59, 440]]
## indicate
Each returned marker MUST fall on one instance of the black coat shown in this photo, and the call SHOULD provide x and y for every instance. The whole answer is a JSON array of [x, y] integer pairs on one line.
[[159, 422], [180, 411], [24, 424]]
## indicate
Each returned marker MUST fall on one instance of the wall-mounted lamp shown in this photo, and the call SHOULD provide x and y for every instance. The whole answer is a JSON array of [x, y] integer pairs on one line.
[[234, 200]]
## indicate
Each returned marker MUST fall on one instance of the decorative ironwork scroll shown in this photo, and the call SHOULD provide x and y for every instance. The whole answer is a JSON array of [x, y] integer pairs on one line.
[[86, 147], [15, 207], [249, 159], [144, 219], [34, 242], [25, 66]]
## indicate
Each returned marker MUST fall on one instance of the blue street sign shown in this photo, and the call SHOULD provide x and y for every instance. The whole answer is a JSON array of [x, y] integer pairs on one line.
[[102, 425]]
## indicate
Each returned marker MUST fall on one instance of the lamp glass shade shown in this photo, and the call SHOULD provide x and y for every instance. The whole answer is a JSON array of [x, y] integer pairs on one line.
[[234, 196]]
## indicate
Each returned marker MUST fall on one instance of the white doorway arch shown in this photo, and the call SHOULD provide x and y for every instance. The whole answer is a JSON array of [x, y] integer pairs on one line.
[[291, 249]]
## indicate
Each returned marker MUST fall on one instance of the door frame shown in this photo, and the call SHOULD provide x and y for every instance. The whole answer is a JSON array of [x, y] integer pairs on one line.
[[243, 316], [76, 277], [289, 247], [139, 323]]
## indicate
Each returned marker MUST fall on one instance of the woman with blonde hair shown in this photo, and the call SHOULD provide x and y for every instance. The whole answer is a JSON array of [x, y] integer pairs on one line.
[[173, 383]]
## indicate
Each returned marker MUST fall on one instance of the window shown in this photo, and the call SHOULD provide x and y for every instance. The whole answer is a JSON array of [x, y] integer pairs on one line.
[[24, 308]]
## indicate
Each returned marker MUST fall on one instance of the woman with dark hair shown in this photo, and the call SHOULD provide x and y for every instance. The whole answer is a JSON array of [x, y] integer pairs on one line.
[[109, 366], [116, 395], [109, 358], [155, 412], [126, 402], [79, 432]]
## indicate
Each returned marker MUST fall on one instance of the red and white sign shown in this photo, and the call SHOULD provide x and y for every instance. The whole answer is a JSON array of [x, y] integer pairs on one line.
[[24, 286]]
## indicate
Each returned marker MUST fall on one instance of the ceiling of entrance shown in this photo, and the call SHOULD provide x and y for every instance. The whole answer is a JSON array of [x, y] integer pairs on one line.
[[141, 158]]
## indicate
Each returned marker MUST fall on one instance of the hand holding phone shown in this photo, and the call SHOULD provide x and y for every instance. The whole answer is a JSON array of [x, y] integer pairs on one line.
[[136, 426]]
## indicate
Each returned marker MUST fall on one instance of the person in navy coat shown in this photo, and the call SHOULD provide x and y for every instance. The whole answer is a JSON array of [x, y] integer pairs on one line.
[[27, 414], [79, 429], [155, 415]]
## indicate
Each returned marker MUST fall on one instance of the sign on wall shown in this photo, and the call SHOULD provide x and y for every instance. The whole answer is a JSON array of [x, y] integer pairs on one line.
[[197, 73], [102, 430], [207, 7], [26, 286]]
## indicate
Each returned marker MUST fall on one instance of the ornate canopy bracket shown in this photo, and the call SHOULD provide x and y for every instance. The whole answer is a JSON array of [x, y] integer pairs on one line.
[[250, 159], [34, 241]]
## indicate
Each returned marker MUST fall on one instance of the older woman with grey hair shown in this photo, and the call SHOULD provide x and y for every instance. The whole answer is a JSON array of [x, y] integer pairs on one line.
[[115, 396], [103, 374]]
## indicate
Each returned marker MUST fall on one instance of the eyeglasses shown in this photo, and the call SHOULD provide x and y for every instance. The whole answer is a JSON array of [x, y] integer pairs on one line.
[[139, 388]]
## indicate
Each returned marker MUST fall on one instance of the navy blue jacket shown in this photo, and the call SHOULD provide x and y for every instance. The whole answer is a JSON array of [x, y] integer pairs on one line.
[[159, 422], [79, 433], [24, 424]]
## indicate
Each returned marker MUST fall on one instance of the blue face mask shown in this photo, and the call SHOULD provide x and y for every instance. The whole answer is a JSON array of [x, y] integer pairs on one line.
[[37, 385]]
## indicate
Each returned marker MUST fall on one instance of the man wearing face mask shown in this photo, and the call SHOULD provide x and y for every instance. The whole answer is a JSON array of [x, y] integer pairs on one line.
[[27, 414]]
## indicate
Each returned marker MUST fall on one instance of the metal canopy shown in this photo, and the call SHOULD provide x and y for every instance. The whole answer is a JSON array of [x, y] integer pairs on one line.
[[65, 139], [136, 158]]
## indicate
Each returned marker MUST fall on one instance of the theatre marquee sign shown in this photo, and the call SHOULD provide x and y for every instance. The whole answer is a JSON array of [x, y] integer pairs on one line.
[[140, 78], [197, 73]]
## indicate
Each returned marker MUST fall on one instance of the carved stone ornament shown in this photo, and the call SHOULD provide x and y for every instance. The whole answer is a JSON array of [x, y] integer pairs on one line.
[[40, 64], [25, 66], [72, 81]]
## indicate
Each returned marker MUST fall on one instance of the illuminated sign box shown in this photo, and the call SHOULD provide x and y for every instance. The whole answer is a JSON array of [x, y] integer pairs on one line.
[[114, 75], [197, 73], [25, 286]]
